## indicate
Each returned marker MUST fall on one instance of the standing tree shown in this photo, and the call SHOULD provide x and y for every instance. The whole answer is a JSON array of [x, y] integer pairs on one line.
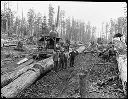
[[93, 34], [7, 18], [45, 29], [88, 32], [17, 27], [111, 30], [82, 31], [45, 20], [37, 25], [51, 16], [68, 28], [62, 23], [106, 28], [31, 19]]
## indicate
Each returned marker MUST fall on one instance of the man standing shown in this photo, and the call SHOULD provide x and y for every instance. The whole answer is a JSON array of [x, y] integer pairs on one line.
[[72, 57], [65, 61], [119, 43], [61, 59], [56, 60]]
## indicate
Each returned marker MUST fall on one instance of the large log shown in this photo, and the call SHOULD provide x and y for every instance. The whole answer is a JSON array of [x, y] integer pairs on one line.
[[12, 89], [81, 49], [122, 66], [26, 79], [8, 77]]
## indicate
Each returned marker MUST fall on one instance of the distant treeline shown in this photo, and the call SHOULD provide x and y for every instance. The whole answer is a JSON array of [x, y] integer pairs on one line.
[[37, 24]]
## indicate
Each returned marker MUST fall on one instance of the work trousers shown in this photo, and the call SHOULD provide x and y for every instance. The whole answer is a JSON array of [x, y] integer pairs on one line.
[[65, 63], [71, 62], [61, 63], [55, 66]]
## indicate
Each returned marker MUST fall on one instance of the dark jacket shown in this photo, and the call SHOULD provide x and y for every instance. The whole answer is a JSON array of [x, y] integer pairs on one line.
[[62, 56], [72, 54], [56, 57], [77, 53]]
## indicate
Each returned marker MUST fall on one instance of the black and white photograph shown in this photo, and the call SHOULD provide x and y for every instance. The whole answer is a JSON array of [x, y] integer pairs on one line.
[[63, 49]]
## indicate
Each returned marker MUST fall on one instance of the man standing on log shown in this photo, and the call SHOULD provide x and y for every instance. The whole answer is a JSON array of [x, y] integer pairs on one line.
[[56, 60]]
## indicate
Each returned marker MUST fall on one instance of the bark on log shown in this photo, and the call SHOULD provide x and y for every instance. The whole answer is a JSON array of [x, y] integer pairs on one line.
[[8, 77], [12, 89], [23, 60], [26, 79], [122, 66], [81, 49]]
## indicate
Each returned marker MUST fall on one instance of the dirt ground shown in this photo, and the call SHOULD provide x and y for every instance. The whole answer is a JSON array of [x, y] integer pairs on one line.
[[81, 81], [10, 57]]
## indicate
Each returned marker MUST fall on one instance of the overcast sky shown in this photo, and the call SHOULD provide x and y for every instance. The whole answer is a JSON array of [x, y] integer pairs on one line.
[[95, 12]]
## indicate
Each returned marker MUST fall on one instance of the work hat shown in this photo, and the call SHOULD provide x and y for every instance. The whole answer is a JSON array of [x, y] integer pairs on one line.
[[53, 25], [118, 35]]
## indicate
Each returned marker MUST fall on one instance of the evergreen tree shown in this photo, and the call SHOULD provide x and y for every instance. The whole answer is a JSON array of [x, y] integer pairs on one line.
[[51, 16], [31, 19]]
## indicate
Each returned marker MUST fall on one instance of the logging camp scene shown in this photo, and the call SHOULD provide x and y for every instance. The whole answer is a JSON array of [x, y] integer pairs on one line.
[[63, 49]]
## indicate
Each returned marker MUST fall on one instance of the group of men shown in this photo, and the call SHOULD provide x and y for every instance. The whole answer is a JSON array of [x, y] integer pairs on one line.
[[109, 51], [60, 59]]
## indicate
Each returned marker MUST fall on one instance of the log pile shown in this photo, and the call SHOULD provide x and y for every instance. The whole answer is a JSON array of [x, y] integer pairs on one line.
[[10, 76], [12, 89]]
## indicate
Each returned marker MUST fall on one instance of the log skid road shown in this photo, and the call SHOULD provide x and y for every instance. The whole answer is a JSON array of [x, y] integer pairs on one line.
[[81, 81]]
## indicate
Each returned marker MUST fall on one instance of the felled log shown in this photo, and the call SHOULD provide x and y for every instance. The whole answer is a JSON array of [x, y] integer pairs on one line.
[[81, 49], [23, 60], [8, 77], [122, 66], [12, 89], [26, 79]]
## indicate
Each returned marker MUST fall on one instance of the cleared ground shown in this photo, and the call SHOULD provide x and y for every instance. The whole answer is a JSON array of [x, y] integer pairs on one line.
[[70, 83]]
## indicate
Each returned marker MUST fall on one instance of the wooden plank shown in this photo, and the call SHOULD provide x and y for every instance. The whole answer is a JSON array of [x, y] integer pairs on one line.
[[22, 61]]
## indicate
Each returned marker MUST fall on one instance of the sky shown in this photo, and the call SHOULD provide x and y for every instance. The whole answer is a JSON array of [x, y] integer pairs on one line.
[[95, 12]]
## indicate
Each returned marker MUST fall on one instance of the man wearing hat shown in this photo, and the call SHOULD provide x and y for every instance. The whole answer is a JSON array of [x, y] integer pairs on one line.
[[56, 60], [72, 55], [62, 58], [119, 43]]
